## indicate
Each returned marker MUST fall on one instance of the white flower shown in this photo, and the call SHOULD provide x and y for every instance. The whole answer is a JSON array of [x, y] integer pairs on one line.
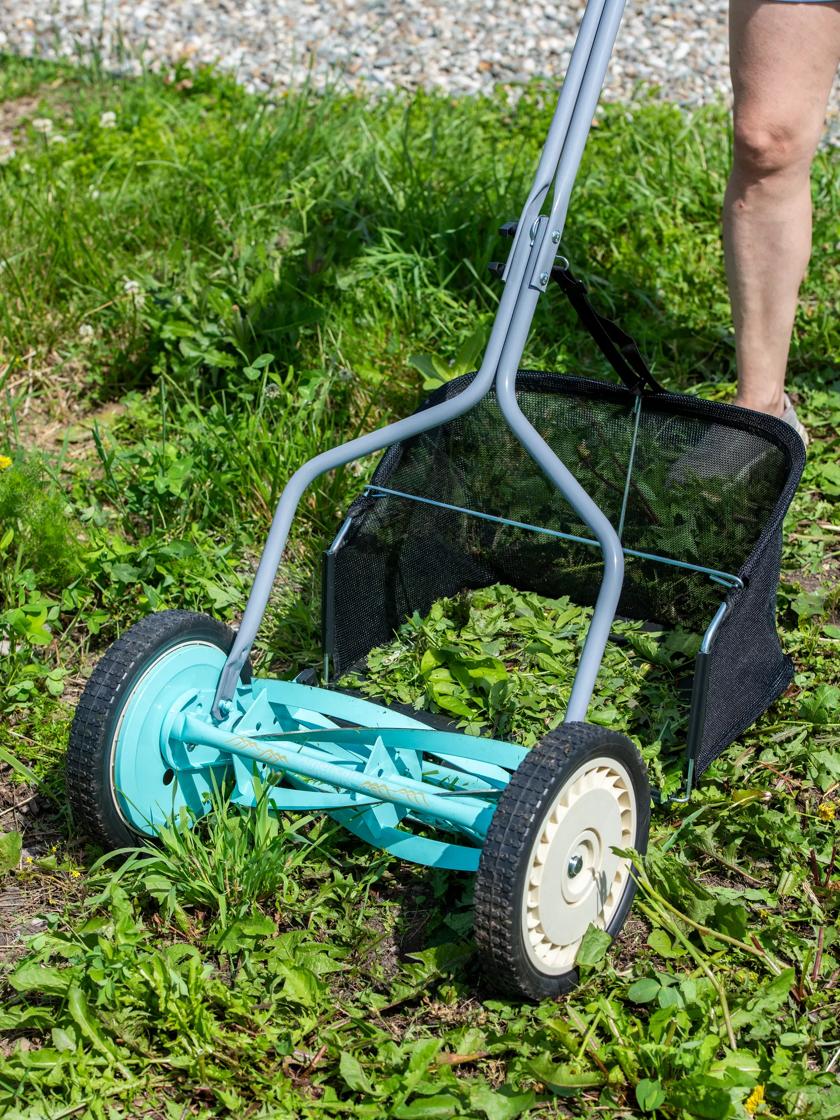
[[108, 120], [85, 331], [94, 193], [58, 139], [42, 124], [134, 291]]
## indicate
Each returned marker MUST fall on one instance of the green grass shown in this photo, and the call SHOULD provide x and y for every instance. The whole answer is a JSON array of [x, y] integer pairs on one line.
[[197, 295]]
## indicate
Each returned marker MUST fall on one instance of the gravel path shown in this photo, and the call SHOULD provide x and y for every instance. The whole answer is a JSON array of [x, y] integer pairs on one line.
[[463, 46]]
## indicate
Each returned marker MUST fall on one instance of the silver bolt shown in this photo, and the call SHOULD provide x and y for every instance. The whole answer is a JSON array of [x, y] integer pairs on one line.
[[543, 278], [575, 866], [555, 236]]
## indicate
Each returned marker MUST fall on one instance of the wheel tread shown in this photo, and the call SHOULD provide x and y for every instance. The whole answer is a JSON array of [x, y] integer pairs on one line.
[[98, 709], [526, 798]]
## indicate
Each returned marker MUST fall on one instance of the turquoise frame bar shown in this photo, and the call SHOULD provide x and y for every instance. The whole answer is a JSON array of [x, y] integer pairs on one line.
[[371, 777], [726, 579]]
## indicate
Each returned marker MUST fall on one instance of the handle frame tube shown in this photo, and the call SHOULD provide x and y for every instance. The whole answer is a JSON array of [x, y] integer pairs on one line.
[[533, 251]]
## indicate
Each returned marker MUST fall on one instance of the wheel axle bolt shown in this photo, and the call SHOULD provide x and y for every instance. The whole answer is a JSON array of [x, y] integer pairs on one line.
[[575, 866]]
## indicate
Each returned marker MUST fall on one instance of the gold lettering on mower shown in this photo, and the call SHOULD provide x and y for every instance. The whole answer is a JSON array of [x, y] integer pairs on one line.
[[379, 789], [376, 789]]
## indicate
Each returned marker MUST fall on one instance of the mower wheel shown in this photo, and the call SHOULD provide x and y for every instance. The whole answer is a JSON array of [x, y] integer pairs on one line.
[[548, 870], [118, 781]]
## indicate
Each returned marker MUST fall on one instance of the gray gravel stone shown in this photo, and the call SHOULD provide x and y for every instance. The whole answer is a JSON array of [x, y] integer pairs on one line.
[[463, 47]]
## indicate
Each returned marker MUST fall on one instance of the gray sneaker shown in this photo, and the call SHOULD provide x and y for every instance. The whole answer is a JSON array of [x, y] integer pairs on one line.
[[789, 416], [704, 463]]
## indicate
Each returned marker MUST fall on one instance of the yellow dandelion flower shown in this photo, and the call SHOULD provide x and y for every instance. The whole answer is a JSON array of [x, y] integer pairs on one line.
[[827, 811], [754, 1099], [75, 874], [5, 462]]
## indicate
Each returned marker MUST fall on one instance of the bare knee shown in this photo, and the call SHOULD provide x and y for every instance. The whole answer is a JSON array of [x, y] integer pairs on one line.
[[766, 147]]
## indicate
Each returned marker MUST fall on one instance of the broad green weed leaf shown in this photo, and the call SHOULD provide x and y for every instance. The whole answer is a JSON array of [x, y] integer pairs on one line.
[[810, 604], [661, 943], [650, 647], [434, 369], [700, 1096], [827, 477], [244, 933], [303, 986], [54, 680], [446, 692], [649, 1094], [64, 1038], [682, 642], [11, 844], [442, 958], [440, 1107], [177, 328], [822, 705], [424, 364], [77, 1005], [593, 947], [422, 1052], [758, 1014], [124, 573], [33, 977], [563, 1080], [484, 671], [643, 991], [739, 1067], [669, 997], [824, 767], [500, 1104], [353, 1075], [20, 1018], [470, 350], [730, 918]]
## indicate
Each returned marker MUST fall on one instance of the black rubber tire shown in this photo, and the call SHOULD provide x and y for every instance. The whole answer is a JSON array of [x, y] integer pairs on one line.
[[89, 785], [507, 966]]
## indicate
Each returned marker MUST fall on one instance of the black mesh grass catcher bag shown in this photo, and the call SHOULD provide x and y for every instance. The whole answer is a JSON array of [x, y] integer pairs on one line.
[[697, 491]]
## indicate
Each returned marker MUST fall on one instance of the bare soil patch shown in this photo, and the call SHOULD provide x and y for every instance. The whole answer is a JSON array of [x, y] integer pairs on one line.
[[18, 111], [26, 893]]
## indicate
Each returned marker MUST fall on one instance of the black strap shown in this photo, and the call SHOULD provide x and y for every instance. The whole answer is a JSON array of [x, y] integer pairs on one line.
[[616, 345]]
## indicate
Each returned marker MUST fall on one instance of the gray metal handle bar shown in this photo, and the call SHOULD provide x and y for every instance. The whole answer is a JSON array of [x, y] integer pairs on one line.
[[536, 238]]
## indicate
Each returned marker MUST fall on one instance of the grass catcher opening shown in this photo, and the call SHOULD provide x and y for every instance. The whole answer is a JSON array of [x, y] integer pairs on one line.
[[696, 490]]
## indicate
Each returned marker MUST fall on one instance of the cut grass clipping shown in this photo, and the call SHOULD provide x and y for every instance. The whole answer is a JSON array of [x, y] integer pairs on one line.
[[502, 662]]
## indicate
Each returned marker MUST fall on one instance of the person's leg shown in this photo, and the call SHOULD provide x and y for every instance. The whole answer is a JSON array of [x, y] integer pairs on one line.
[[783, 59]]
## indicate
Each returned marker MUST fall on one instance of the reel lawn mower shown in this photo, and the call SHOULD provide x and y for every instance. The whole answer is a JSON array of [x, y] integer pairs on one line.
[[639, 502]]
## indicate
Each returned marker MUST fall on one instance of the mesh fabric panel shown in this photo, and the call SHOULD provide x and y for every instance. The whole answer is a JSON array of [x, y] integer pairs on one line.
[[709, 486]]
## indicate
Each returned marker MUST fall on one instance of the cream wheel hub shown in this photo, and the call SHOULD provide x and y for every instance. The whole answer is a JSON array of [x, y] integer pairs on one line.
[[574, 878]]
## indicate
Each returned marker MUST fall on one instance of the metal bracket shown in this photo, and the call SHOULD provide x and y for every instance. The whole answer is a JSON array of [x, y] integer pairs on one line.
[[682, 798]]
